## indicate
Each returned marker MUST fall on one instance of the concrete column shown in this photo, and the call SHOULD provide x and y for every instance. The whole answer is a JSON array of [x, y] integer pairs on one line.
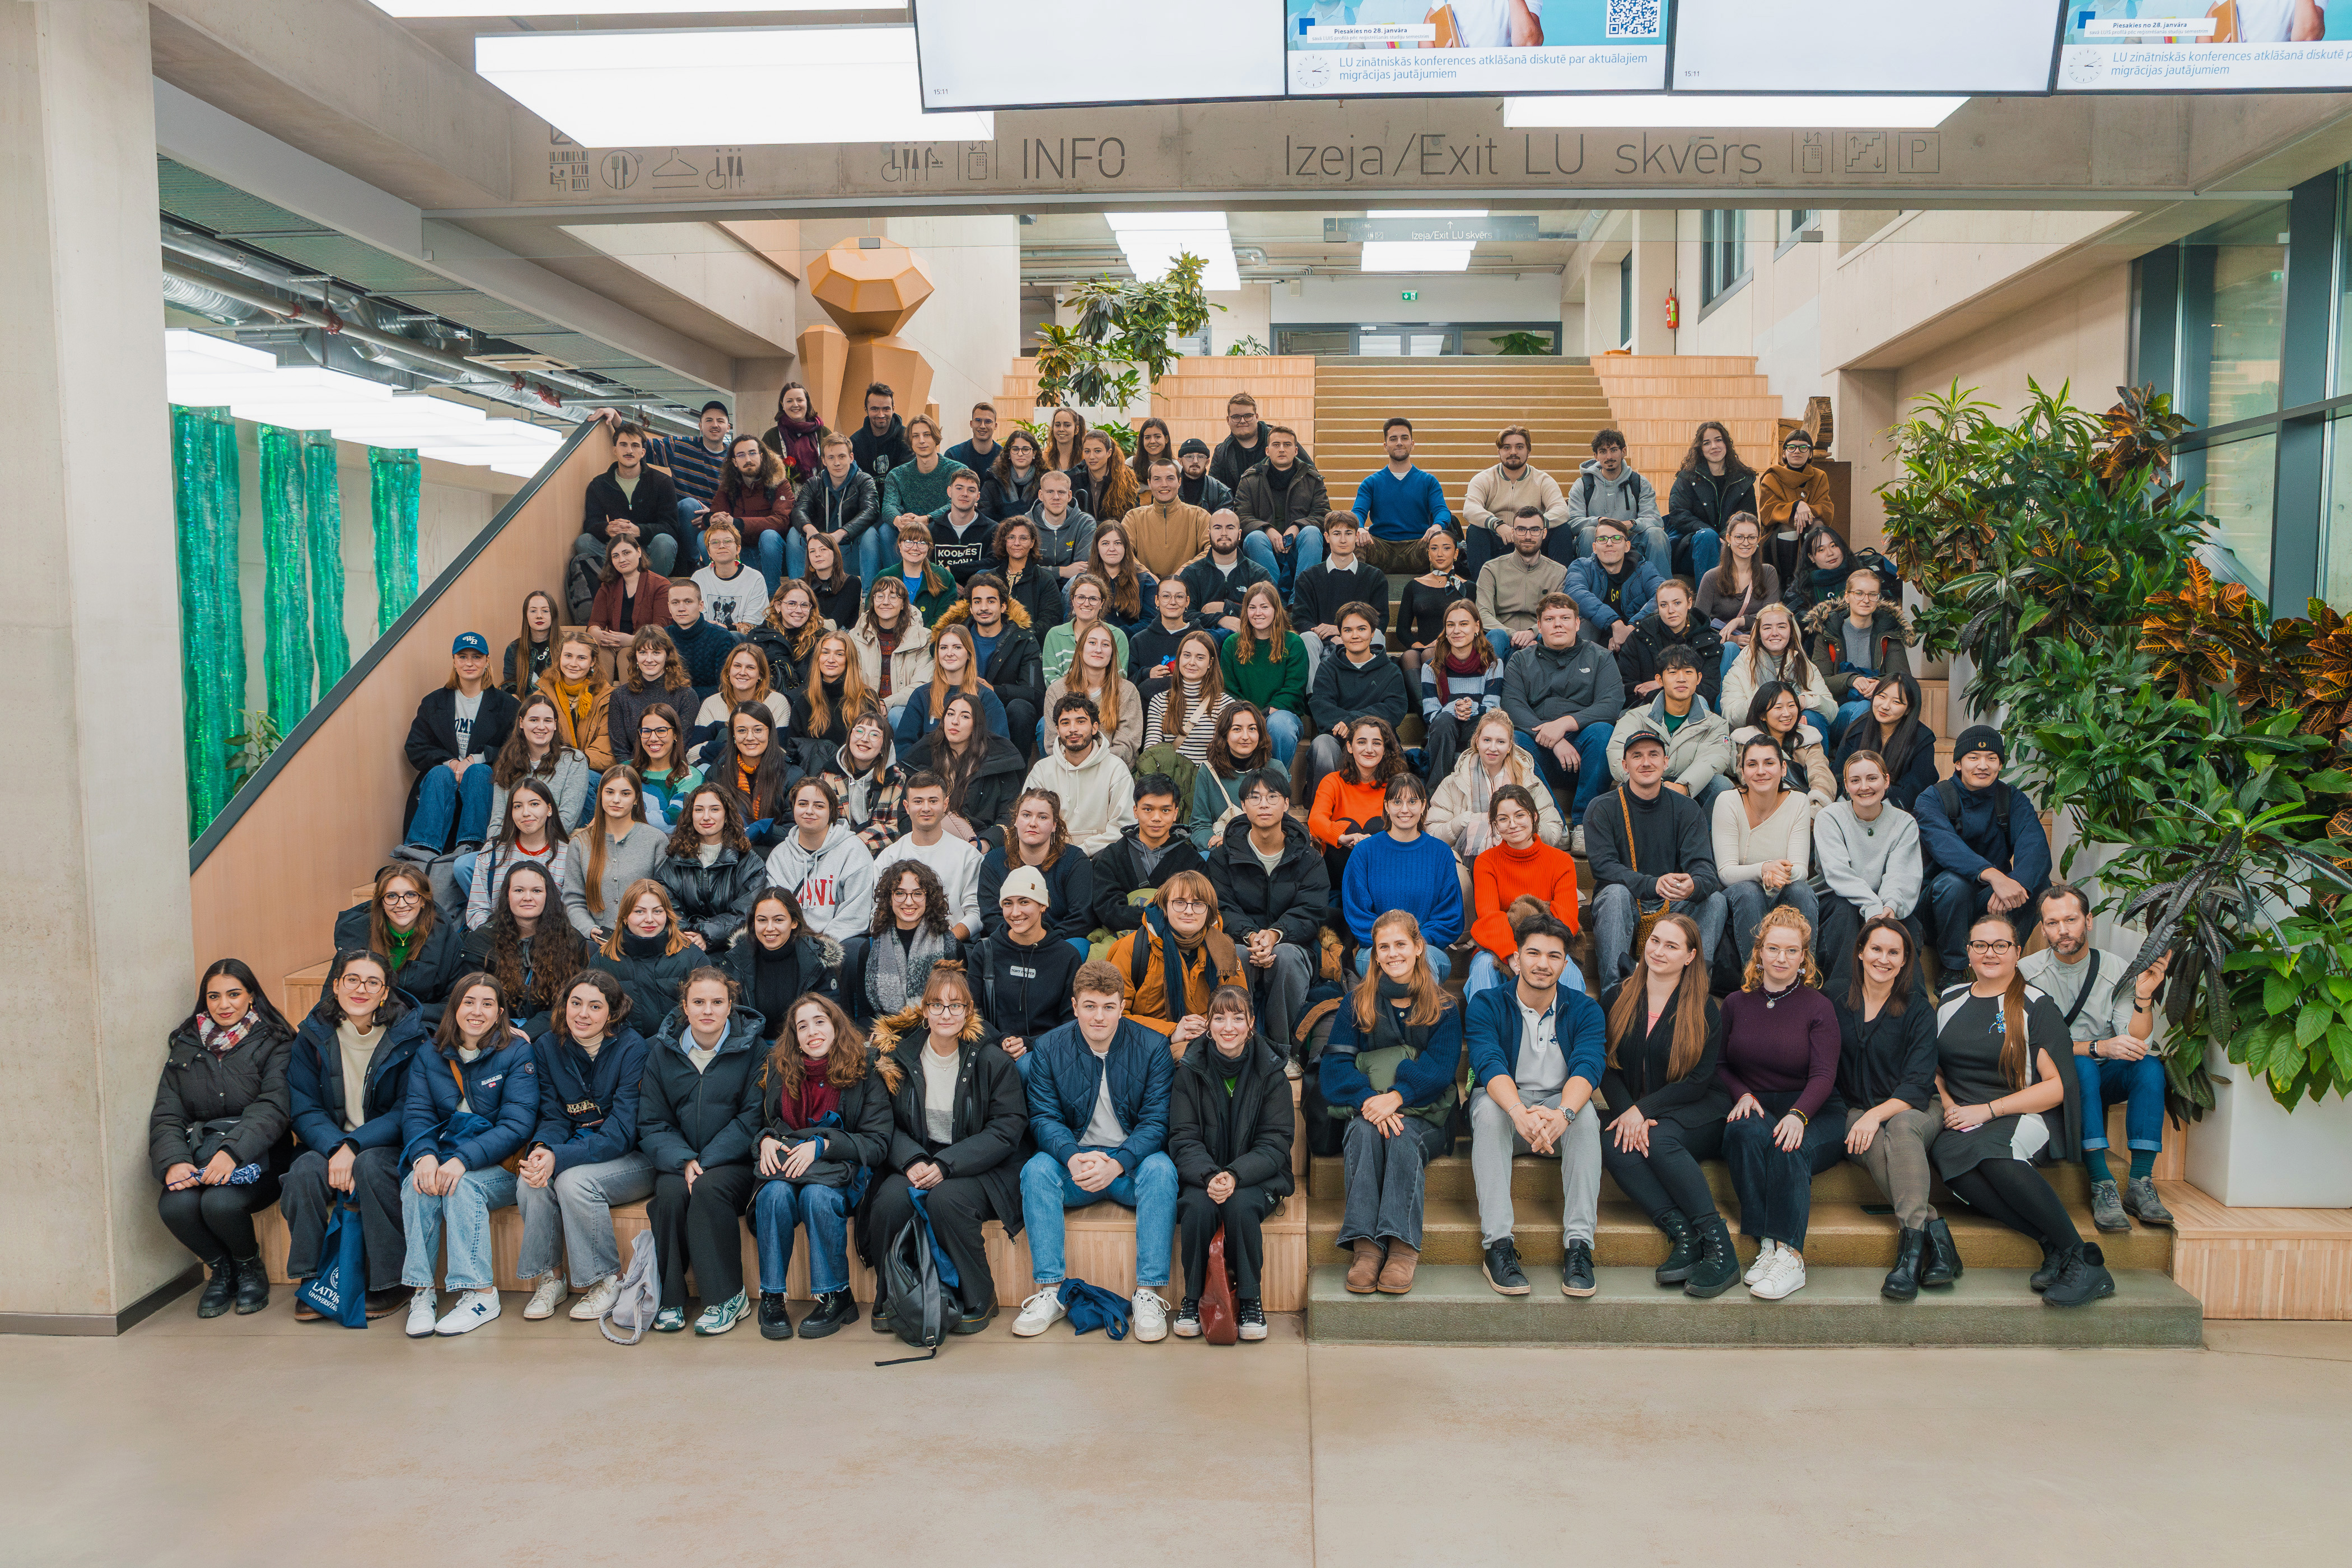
[[1656, 273], [96, 959], [1864, 404]]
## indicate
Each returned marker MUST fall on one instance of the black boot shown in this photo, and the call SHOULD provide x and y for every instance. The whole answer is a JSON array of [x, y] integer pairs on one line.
[[218, 1288], [2083, 1276], [1942, 1264], [252, 1286], [1716, 1268], [775, 1322], [1902, 1282], [833, 1309], [2053, 1260], [1683, 1251]]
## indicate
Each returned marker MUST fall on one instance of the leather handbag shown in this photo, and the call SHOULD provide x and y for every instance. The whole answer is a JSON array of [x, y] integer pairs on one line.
[[1219, 1325]]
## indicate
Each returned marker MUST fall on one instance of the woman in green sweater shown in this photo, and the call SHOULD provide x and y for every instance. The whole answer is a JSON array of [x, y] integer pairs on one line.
[[1265, 664]]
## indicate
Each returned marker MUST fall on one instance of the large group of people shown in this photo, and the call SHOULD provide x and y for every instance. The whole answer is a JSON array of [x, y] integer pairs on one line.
[[1002, 874]]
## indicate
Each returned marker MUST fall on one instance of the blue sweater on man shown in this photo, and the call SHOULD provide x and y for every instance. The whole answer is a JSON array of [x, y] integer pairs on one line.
[[1402, 509], [1580, 1030], [1417, 877]]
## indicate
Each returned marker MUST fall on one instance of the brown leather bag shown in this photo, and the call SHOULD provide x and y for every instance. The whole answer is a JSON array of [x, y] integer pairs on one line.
[[1646, 920], [1219, 1325]]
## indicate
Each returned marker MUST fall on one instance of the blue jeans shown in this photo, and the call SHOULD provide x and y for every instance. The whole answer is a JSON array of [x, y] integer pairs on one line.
[[1150, 1190], [1486, 975], [1501, 643], [1284, 566], [466, 1215], [1591, 768], [1440, 963], [2138, 1086], [1282, 728], [778, 554], [1650, 543], [690, 513], [1846, 714], [1706, 550], [877, 550], [443, 802], [780, 1205]]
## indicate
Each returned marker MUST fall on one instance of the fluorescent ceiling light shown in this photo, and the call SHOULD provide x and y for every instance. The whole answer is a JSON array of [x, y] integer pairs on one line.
[[1427, 212], [693, 91], [613, 8], [1417, 255], [1686, 110], [1152, 241]]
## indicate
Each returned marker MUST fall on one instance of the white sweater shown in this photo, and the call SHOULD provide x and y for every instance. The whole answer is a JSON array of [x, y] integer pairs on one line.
[[953, 861], [1871, 864], [1740, 851]]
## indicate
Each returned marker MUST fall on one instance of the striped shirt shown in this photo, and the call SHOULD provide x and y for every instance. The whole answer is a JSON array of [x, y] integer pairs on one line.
[[694, 467]]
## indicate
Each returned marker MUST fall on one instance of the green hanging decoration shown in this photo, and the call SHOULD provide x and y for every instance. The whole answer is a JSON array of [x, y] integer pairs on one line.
[[395, 477], [284, 594], [323, 515], [212, 626]]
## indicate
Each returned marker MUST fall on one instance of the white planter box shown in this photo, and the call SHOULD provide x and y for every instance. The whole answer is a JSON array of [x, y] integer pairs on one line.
[[2250, 1152]]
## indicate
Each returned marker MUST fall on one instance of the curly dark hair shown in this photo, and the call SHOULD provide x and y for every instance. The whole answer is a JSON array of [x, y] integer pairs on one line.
[[557, 950], [1695, 460], [685, 843], [1222, 761], [935, 897]]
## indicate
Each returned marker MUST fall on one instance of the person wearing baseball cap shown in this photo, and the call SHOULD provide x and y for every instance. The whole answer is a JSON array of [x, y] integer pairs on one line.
[[1195, 484], [457, 731], [1985, 851], [1022, 971], [1651, 848]]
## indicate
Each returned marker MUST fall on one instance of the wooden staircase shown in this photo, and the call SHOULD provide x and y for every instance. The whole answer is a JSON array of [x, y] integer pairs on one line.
[[1457, 406], [1658, 401], [1192, 395]]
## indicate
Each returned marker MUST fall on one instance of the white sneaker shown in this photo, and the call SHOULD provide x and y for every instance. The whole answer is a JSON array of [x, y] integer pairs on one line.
[[1576, 839], [599, 1299], [1785, 1277], [1150, 1316], [1040, 1313], [1763, 1258], [474, 1308], [547, 1297], [420, 1314]]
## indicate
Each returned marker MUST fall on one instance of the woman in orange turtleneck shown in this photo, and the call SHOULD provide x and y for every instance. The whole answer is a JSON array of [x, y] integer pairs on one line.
[[1350, 804], [1519, 865]]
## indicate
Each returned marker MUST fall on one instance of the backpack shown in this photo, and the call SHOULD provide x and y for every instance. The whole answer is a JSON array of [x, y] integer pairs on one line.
[[1164, 758], [581, 575], [1949, 792], [638, 1300], [439, 870], [1583, 492], [911, 1283]]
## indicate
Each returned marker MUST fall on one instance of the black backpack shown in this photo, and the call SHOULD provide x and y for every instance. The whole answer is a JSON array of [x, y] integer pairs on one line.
[[911, 1281]]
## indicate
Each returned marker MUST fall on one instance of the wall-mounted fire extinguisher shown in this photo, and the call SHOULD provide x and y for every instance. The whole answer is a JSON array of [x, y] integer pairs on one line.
[[1673, 311]]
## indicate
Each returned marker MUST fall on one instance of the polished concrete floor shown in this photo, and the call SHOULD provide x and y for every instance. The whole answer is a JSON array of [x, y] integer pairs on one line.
[[261, 1441]]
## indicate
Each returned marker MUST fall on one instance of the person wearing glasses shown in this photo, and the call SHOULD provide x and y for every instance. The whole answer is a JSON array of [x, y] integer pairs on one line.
[[347, 1079], [2007, 1103], [426, 954], [1985, 851], [1174, 961]]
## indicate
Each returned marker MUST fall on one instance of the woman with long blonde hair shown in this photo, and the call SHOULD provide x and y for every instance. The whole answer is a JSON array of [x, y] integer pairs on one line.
[[647, 953], [742, 678], [1266, 663], [1391, 1070], [836, 693], [583, 697], [788, 632], [1667, 1112], [955, 668], [1096, 672], [825, 1121]]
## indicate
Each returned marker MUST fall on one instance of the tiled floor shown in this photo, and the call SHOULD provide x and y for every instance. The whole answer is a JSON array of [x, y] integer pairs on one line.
[[259, 1441]]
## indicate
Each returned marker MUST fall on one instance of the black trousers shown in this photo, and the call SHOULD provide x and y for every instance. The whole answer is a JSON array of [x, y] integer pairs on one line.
[[958, 1207], [1953, 903], [1447, 737], [216, 1222], [1244, 1217], [1021, 720], [705, 1228], [308, 1203], [1668, 1177], [2012, 1193]]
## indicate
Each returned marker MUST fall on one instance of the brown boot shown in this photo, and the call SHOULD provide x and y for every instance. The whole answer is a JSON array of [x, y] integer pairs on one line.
[[1396, 1275], [1365, 1270]]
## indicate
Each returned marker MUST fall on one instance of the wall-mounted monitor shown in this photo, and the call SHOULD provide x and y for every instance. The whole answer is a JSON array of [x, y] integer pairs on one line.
[[1974, 47], [1371, 49], [2170, 46], [1065, 54]]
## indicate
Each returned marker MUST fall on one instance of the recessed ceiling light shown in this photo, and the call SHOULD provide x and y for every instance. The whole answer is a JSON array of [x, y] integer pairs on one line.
[[1687, 110], [1152, 241]]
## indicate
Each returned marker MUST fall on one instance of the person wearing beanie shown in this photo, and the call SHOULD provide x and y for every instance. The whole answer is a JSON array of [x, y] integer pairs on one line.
[[1983, 847], [1196, 485], [1022, 973], [1649, 847]]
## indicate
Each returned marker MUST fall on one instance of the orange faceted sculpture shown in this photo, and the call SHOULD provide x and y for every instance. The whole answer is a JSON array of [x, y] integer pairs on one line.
[[871, 289]]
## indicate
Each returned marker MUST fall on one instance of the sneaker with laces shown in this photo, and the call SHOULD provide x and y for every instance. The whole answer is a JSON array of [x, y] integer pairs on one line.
[[1188, 1319], [1249, 1313], [1151, 1315], [1785, 1277], [1576, 1271], [599, 1301], [717, 1319], [1503, 1270], [1040, 1312], [2107, 1208], [474, 1308], [669, 1321], [549, 1295], [420, 1314], [2141, 1202], [1755, 1270]]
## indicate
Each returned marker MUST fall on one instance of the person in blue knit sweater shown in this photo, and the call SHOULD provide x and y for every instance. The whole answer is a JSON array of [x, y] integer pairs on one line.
[[1404, 868], [1400, 505]]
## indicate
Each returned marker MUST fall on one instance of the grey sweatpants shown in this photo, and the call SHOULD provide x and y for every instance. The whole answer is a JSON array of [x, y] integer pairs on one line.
[[1493, 1141]]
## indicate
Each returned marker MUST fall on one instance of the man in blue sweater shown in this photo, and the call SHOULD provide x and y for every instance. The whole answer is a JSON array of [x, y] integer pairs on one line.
[[1098, 1108], [1983, 845], [1536, 1051], [1400, 505], [702, 643]]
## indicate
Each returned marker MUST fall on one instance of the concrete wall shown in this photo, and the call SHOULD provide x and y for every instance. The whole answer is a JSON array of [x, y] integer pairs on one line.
[[1248, 312]]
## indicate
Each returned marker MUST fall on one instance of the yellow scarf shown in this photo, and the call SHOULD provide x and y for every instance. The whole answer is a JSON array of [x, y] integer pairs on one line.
[[579, 700]]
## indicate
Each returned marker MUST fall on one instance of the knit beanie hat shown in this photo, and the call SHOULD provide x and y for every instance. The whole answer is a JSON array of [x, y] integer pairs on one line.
[[1979, 738]]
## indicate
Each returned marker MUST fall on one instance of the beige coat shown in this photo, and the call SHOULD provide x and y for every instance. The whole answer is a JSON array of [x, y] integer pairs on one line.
[[1453, 816], [910, 662]]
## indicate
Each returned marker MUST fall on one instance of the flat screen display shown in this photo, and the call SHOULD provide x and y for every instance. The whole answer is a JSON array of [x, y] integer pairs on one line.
[[2241, 45], [1364, 48], [1980, 47], [1061, 54]]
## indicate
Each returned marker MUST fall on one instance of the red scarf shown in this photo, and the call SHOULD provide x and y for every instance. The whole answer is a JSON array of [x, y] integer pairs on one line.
[[1453, 665], [816, 1100]]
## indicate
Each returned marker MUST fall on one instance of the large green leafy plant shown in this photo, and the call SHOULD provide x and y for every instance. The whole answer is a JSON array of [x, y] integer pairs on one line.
[[1119, 346]]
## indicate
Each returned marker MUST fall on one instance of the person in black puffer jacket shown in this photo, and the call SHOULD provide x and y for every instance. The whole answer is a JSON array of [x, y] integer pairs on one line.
[[711, 872], [698, 1108], [824, 1119], [1228, 1132], [780, 959], [648, 952], [222, 1105], [400, 920]]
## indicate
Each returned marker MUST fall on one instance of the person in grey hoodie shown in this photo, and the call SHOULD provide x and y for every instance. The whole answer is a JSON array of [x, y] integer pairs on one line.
[[1065, 536], [1563, 696], [823, 864], [1699, 741], [1606, 487], [1868, 855]]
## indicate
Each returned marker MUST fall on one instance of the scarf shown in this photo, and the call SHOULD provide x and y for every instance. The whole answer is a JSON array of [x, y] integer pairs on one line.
[[1387, 1032], [816, 1100], [896, 971], [220, 1041], [887, 639], [1453, 665], [1830, 583], [636, 946], [578, 700], [796, 439]]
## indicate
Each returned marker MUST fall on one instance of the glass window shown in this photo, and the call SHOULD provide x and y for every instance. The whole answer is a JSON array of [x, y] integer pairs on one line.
[[2239, 480], [1723, 252], [2336, 545], [2234, 316], [1798, 220]]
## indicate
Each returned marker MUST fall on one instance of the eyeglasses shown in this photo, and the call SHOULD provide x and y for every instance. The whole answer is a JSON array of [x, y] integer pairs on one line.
[[364, 985], [1990, 946], [401, 898], [946, 1009], [644, 730], [1186, 904], [908, 893]]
